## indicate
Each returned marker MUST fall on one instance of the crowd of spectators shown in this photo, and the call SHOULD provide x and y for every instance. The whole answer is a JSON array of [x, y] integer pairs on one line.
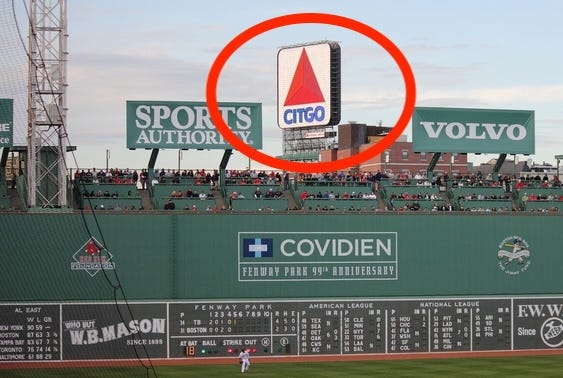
[[541, 197], [415, 196], [112, 206], [197, 177], [110, 176], [192, 193], [331, 195], [415, 206], [252, 177], [537, 181], [483, 197], [107, 194], [276, 181]]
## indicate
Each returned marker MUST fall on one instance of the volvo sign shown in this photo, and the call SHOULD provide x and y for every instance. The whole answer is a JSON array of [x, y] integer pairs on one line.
[[473, 130]]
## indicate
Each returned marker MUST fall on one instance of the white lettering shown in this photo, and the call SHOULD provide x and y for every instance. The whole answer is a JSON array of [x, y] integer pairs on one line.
[[336, 247], [190, 117], [244, 121], [472, 130], [460, 130], [143, 114]]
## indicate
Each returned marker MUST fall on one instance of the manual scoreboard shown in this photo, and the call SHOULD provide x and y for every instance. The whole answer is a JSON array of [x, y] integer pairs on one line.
[[203, 329]]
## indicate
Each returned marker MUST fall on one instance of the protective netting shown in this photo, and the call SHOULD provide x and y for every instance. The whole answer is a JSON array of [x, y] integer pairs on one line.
[[40, 312]]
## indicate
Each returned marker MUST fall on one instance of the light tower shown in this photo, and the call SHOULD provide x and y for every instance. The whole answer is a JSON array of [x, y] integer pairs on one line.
[[47, 135]]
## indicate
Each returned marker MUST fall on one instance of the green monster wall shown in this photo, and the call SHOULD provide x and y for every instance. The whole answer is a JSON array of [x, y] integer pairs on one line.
[[214, 256]]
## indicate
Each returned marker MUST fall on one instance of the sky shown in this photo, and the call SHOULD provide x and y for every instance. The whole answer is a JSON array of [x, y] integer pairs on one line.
[[503, 54]]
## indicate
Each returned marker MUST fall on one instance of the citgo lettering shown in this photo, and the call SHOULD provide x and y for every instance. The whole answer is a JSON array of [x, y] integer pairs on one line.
[[300, 115]]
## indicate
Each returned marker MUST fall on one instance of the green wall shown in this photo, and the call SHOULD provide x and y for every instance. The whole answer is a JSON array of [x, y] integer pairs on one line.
[[196, 256]]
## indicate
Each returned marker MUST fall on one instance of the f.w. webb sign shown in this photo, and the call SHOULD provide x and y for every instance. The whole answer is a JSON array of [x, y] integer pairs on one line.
[[174, 124], [473, 130]]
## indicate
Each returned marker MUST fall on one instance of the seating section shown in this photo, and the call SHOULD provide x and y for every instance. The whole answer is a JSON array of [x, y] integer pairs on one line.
[[354, 204], [108, 190], [109, 196], [184, 203], [338, 189], [542, 200], [415, 195], [319, 193], [119, 203], [483, 197], [184, 197], [260, 205], [243, 197]]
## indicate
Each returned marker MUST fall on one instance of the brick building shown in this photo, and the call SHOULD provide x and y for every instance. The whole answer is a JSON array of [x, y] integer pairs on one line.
[[354, 138]]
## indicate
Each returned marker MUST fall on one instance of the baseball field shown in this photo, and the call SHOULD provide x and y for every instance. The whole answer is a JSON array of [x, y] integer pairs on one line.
[[514, 367]]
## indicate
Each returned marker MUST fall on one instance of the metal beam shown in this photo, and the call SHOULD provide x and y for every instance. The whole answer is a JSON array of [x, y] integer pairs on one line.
[[432, 164], [4, 158], [223, 168], [498, 165], [152, 160]]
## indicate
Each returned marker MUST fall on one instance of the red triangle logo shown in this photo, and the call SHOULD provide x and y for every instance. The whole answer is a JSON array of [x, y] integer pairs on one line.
[[304, 86], [92, 248]]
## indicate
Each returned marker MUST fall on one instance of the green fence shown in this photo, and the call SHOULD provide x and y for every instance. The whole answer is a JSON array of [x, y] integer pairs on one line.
[[191, 256]]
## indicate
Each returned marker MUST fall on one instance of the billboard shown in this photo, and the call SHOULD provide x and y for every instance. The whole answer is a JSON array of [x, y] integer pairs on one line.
[[317, 256], [188, 125], [6, 122], [473, 130], [39, 332], [309, 85]]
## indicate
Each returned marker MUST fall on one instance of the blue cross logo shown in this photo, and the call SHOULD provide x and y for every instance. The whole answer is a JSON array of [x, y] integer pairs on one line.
[[258, 248]]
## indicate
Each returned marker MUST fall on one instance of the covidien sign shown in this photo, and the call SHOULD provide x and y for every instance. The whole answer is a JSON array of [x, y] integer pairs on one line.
[[317, 256], [473, 130]]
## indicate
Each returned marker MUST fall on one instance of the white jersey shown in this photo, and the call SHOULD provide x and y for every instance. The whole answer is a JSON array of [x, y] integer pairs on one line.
[[244, 356]]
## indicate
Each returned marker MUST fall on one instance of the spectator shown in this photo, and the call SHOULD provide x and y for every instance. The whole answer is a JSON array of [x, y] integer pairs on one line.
[[143, 178], [278, 193], [286, 183]]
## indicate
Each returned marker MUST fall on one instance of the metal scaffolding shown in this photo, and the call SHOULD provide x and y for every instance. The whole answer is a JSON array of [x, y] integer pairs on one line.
[[47, 135], [306, 143]]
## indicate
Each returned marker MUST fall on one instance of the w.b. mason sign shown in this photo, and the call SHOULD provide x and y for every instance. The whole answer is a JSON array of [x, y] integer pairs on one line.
[[473, 130]]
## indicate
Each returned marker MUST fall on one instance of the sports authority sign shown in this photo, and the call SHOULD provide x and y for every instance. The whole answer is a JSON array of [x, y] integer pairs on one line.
[[6, 122], [175, 124], [309, 85], [473, 130]]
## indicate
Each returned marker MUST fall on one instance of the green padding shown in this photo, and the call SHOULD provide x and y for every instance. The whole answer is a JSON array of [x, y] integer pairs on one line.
[[183, 255]]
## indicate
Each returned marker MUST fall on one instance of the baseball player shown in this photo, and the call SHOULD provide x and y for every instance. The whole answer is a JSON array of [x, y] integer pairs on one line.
[[244, 359]]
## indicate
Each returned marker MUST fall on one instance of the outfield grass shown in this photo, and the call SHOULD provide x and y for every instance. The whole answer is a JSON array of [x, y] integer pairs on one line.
[[513, 367]]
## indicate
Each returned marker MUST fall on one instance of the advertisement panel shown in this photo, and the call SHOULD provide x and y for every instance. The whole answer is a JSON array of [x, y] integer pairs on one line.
[[317, 256], [188, 125], [101, 331], [473, 130], [309, 85], [6, 122], [226, 255], [37, 331]]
